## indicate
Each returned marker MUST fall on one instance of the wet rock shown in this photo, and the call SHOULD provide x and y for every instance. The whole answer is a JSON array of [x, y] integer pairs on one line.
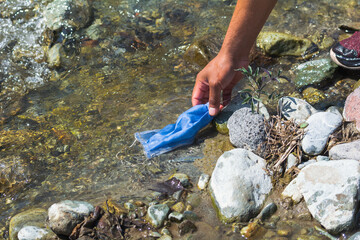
[[235, 104], [239, 185], [96, 30], [329, 189], [165, 237], [314, 72], [36, 233], [67, 13], [178, 207], [317, 133], [352, 108], [295, 109], [65, 215], [190, 215], [176, 217], [247, 130], [282, 44], [267, 211], [183, 178], [337, 93], [355, 236], [54, 55], [349, 150], [193, 199], [323, 40], [304, 164], [203, 181], [157, 214], [313, 95], [33, 217], [186, 227]]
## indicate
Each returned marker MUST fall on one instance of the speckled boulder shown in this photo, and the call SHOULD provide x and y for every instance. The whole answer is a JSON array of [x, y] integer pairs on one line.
[[352, 108], [247, 130]]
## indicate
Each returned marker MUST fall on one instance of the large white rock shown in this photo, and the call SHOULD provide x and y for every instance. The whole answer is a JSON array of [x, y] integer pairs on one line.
[[64, 216], [317, 133], [330, 190], [295, 109], [239, 185], [349, 150]]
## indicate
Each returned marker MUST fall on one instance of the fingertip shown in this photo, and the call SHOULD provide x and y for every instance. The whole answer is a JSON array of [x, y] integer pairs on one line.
[[213, 111]]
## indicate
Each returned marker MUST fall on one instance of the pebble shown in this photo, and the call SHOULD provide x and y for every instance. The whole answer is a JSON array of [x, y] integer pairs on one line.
[[304, 164], [186, 227], [352, 108], [267, 211], [157, 214], [190, 215], [291, 161], [178, 207], [317, 133], [176, 217], [203, 181]]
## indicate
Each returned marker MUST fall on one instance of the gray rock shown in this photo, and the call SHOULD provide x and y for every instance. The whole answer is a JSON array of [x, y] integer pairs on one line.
[[295, 109], [330, 190], [314, 72], [334, 109], [239, 185], [291, 161], [322, 158], [317, 133], [33, 217], [267, 211], [65, 215], [247, 130], [355, 236], [71, 13], [236, 103], [157, 214], [203, 181], [32, 233], [349, 150]]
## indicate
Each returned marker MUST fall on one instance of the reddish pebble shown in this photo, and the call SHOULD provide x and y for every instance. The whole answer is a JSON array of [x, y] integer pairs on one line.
[[352, 108]]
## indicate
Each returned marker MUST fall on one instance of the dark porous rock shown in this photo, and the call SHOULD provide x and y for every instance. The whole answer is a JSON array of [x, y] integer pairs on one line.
[[187, 227], [247, 130]]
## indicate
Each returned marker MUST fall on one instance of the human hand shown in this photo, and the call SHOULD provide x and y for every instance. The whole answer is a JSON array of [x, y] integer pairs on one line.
[[216, 81]]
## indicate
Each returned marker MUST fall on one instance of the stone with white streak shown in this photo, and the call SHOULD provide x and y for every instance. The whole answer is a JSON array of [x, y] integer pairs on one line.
[[321, 126], [239, 185], [330, 190]]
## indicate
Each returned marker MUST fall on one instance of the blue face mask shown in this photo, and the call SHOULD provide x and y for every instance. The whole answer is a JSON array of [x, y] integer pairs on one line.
[[183, 132]]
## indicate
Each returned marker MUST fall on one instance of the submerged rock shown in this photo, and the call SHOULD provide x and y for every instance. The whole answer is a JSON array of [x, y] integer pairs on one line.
[[239, 185], [295, 109], [33, 217], [67, 13], [314, 72], [65, 215], [282, 44], [36, 233], [349, 150], [313, 95], [247, 130], [157, 214], [352, 108], [317, 133], [330, 190]]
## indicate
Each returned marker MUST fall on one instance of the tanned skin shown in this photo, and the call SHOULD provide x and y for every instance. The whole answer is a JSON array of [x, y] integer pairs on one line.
[[218, 78]]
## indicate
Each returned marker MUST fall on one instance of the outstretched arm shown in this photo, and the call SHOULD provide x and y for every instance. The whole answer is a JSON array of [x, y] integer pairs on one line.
[[218, 77]]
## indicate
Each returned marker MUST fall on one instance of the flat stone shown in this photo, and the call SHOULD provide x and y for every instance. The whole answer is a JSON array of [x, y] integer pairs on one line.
[[157, 214], [247, 130], [314, 72], [330, 190], [321, 126], [239, 185], [352, 108], [295, 109], [349, 150], [65, 215]]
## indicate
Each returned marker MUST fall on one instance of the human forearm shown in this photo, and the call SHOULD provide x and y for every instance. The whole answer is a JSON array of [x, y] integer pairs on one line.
[[248, 18]]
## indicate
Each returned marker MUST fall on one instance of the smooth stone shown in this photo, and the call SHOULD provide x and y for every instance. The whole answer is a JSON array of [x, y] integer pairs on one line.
[[236, 103], [71, 13], [330, 190], [352, 108], [193, 199], [349, 150], [176, 217], [283, 44], [295, 109], [267, 211], [157, 214], [322, 158], [178, 207], [54, 55], [190, 215], [33, 217], [314, 72], [334, 109], [239, 185], [65, 215], [203, 181], [186, 227], [32, 233], [321, 126], [247, 130], [291, 161], [304, 164]]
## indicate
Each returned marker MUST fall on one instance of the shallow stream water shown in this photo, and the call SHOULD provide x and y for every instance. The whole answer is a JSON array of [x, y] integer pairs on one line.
[[66, 133]]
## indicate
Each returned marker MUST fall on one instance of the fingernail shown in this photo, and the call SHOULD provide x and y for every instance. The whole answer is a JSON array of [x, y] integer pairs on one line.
[[212, 111]]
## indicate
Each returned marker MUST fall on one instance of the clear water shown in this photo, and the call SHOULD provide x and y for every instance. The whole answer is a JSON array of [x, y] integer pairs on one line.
[[66, 134]]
